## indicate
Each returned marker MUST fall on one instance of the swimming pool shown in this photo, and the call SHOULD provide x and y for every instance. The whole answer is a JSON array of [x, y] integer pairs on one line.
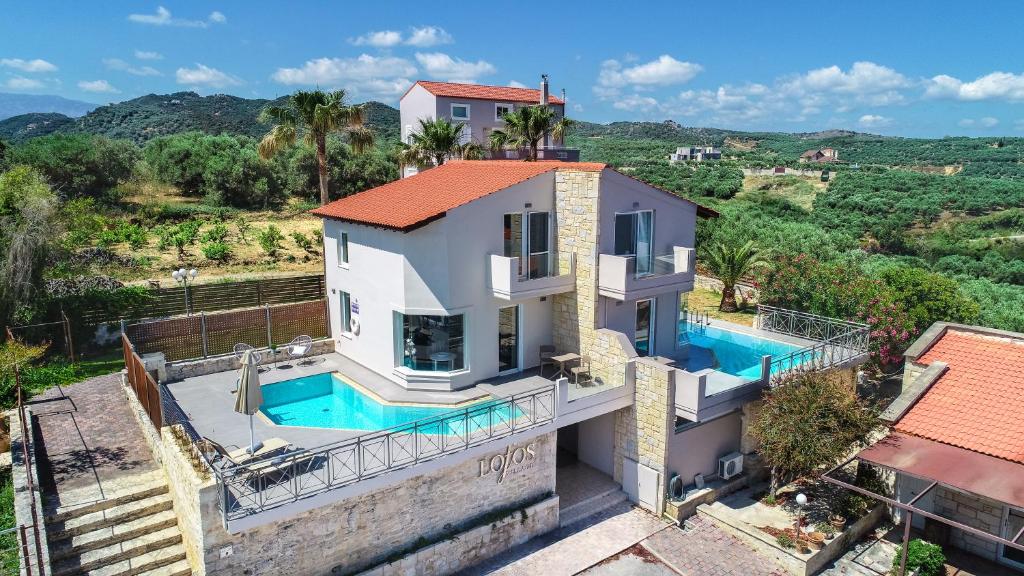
[[327, 401], [731, 352]]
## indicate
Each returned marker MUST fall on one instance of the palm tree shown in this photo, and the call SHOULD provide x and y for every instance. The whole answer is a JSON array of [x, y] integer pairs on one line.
[[437, 141], [315, 114], [729, 262], [526, 127]]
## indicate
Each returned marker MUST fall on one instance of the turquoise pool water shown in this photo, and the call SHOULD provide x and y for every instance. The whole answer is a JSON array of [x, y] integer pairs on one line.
[[731, 352], [327, 401]]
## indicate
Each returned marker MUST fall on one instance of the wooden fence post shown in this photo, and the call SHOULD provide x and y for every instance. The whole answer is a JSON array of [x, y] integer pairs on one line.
[[270, 340], [67, 336], [202, 326]]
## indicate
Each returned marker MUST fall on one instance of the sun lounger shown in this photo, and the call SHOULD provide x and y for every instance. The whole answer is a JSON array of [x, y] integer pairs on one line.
[[241, 456]]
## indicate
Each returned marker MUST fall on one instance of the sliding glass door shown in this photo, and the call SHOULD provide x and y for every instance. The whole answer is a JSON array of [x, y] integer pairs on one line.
[[634, 236], [539, 244], [643, 334], [513, 238], [508, 339]]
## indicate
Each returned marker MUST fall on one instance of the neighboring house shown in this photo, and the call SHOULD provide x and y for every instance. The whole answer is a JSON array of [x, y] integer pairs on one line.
[[695, 153], [479, 255], [480, 108], [820, 155], [959, 423]]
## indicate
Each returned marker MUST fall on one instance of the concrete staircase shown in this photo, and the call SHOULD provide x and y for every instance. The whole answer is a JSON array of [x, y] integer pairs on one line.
[[593, 505], [130, 533]]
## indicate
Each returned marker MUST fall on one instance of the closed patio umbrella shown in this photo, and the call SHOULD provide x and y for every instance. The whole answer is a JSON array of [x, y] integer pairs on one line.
[[249, 397]]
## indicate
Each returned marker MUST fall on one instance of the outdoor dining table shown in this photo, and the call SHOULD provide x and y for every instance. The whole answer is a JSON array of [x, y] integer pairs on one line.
[[563, 360]]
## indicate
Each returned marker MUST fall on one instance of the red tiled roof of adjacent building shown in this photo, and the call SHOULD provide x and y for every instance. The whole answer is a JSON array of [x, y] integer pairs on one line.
[[978, 403], [483, 92], [418, 200]]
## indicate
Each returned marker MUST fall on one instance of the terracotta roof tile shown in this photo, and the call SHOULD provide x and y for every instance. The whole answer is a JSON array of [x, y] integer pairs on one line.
[[978, 404], [482, 92], [418, 200]]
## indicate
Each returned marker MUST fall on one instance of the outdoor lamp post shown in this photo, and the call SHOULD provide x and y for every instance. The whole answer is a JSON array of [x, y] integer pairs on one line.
[[801, 501], [182, 276]]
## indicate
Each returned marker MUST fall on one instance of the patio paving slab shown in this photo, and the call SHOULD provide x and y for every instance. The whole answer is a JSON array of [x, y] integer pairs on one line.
[[574, 548], [701, 548], [90, 445], [636, 561]]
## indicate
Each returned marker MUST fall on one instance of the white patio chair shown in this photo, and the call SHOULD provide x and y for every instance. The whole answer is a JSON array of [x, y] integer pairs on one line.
[[299, 347], [240, 349]]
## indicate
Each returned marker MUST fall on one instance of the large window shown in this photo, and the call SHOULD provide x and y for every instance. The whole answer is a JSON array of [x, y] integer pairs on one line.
[[433, 343], [634, 235], [500, 110], [460, 111]]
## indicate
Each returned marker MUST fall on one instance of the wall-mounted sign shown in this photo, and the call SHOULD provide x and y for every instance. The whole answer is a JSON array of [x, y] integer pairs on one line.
[[354, 306], [515, 459]]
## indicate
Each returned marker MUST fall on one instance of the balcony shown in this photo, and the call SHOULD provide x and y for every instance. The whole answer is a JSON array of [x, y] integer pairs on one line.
[[550, 153], [620, 279], [543, 276]]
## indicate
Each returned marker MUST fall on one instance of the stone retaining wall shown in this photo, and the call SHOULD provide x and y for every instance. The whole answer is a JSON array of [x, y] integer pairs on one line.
[[475, 545], [20, 473], [974, 511]]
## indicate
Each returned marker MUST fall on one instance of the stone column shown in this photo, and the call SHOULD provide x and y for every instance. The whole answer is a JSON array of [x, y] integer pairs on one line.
[[577, 210], [643, 431]]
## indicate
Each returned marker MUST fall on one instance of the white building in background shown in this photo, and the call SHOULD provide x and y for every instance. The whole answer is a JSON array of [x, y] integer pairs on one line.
[[695, 153], [480, 109]]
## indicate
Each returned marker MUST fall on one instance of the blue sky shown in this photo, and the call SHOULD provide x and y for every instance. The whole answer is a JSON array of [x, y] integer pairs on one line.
[[901, 68]]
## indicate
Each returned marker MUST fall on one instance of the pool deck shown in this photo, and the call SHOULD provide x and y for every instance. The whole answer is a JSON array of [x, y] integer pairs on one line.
[[208, 401]]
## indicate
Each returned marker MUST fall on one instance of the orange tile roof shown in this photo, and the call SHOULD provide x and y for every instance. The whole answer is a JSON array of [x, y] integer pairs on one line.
[[415, 201], [482, 92], [978, 403]]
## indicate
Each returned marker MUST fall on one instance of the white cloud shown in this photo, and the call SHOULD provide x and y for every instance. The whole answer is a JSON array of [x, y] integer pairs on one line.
[[636, 103], [163, 17], [379, 76], [516, 84], [21, 83], [97, 86], [994, 86], [36, 65], [663, 71], [985, 122], [965, 122], [203, 75], [874, 121], [443, 66], [862, 78], [122, 66], [146, 55], [427, 36], [379, 39]]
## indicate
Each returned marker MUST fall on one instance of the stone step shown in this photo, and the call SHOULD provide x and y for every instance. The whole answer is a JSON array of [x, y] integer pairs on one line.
[[169, 561], [119, 552], [593, 505], [119, 514], [77, 545], [153, 487]]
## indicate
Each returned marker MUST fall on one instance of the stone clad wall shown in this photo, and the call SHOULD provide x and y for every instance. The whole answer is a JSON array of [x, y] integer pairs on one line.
[[642, 431], [360, 532], [974, 511], [576, 214]]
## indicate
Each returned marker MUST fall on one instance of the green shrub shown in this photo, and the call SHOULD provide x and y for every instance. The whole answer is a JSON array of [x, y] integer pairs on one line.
[[785, 540], [270, 239], [302, 241], [216, 233], [925, 557], [218, 251], [243, 228]]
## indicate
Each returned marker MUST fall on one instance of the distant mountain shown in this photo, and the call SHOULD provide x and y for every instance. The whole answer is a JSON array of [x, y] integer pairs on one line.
[[18, 104], [155, 115]]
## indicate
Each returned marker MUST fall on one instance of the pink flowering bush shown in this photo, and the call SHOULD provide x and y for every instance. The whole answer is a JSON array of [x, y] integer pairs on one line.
[[838, 291]]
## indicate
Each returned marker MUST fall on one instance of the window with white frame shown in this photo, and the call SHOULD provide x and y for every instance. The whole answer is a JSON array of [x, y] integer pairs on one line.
[[460, 111], [500, 110], [343, 249], [432, 343], [345, 307]]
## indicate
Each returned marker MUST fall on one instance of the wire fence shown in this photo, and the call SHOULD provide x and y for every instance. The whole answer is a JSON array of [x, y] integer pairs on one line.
[[205, 335]]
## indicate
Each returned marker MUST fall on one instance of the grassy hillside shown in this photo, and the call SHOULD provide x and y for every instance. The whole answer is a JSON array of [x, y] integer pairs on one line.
[[147, 117]]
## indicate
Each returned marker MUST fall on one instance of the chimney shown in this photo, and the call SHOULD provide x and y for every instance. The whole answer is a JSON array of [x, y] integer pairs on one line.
[[546, 142]]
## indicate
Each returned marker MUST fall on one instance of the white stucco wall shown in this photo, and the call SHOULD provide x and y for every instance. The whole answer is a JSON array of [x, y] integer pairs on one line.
[[596, 441], [697, 450]]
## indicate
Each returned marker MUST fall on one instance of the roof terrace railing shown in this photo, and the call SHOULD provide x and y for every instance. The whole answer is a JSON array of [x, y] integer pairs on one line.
[[836, 341], [278, 480]]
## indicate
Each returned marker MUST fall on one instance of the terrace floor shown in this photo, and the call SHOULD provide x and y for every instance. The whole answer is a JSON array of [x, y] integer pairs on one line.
[[208, 401]]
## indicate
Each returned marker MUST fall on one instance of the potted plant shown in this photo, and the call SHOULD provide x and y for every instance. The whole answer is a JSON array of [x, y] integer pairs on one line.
[[826, 529], [817, 539], [801, 546], [838, 522]]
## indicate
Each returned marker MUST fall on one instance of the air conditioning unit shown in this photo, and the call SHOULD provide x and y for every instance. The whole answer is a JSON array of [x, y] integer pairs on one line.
[[730, 465]]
